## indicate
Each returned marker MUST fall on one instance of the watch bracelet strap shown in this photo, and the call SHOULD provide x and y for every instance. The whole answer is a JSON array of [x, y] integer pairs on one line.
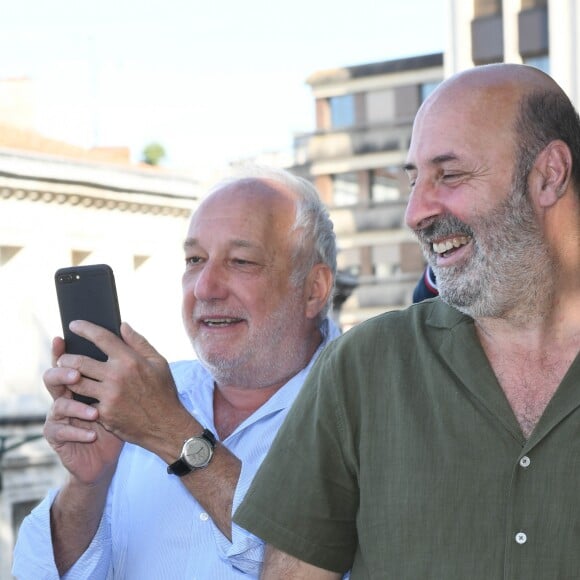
[[207, 434], [180, 467]]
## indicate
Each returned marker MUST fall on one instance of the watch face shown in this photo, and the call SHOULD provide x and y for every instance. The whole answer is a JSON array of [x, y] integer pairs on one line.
[[197, 452]]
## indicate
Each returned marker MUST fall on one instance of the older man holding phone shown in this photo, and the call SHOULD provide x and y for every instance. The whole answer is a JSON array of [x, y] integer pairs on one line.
[[159, 463]]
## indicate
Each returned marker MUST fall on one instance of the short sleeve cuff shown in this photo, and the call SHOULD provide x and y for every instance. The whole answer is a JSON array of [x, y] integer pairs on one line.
[[246, 551]]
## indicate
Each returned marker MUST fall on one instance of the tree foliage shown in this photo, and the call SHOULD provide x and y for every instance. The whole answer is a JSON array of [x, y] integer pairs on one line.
[[153, 154]]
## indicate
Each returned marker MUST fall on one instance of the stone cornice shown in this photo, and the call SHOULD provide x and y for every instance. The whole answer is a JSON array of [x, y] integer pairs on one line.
[[39, 178], [134, 203]]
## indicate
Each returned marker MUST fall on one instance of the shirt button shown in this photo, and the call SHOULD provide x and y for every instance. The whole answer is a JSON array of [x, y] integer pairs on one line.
[[525, 461], [521, 538], [203, 517]]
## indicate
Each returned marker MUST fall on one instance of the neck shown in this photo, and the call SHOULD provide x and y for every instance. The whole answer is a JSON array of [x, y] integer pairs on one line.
[[233, 405], [235, 400], [548, 325]]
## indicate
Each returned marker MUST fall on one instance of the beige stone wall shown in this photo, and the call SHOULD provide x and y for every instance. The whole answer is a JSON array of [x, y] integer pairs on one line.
[[56, 213], [36, 238]]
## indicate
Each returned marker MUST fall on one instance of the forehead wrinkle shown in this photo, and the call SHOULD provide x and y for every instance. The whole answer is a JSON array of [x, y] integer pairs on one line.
[[239, 243]]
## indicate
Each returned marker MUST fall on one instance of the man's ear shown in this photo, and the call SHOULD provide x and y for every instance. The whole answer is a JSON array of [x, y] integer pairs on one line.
[[319, 285], [552, 174]]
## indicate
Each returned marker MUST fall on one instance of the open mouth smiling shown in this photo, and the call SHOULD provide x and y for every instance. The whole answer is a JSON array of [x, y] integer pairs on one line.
[[219, 322], [448, 246]]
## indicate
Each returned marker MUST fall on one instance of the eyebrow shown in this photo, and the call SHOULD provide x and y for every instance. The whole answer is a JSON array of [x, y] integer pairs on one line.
[[237, 243], [189, 243], [437, 160]]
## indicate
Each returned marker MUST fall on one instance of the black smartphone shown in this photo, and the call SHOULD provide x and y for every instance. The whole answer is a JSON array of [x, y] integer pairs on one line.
[[87, 293]]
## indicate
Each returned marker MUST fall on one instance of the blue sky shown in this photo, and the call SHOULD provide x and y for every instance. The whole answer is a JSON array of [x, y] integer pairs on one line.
[[211, 81]]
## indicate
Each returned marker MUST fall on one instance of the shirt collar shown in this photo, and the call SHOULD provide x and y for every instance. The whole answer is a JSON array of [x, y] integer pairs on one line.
[[196, 391]]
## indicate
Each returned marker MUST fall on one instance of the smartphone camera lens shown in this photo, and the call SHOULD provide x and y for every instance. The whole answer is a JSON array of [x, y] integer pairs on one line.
[[65, 278]]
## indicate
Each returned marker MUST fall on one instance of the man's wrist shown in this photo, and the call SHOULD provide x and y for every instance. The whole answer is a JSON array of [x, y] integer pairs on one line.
[[196, 453]]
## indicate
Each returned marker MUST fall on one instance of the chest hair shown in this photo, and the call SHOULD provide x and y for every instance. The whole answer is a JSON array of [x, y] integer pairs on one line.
[[529, 379]]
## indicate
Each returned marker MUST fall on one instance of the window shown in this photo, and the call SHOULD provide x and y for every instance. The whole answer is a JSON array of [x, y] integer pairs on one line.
[[384, 185], [541, 62], [342, 111], [78, 257], [427, 89], [7, 253], [380, 106], [349, 261], [392, 104], [139, 260], [345, 189]]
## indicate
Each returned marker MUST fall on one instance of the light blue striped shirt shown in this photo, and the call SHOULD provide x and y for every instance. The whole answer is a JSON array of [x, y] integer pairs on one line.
[[152, 528]]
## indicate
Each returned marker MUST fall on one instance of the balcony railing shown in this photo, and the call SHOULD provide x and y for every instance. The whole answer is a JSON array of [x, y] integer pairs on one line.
[[358, 140]]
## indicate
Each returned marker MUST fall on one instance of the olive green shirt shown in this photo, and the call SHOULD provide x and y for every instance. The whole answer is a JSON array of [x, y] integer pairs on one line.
[[402, 459]]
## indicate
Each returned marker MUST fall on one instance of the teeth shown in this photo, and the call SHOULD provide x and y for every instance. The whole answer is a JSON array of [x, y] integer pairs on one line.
[[441, 248], [219, 321]]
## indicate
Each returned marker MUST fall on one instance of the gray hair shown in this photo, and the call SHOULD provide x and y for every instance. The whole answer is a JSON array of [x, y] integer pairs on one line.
[[316, 240], [545, 116]]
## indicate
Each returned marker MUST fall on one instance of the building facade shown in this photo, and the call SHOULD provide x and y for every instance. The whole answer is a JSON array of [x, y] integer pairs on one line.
[[364, 117], [541, 33], [60, 211]]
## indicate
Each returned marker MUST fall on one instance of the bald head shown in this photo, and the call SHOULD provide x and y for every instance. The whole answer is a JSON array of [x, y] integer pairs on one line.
[[519, 97], [521, 75], [495, 83], [276, 200]]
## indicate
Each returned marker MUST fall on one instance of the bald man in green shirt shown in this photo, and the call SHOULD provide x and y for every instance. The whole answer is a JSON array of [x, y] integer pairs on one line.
[[443, 442]]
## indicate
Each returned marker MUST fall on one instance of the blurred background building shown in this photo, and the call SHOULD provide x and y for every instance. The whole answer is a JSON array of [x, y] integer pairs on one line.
[[364, 117], [541, 33], [62, 205]]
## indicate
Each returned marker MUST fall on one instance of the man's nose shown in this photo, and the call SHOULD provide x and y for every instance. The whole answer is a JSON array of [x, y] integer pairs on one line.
[[211, 282], [424, 204]]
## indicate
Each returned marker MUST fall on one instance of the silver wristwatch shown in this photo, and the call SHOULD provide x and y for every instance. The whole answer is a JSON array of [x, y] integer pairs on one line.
[[195, 454]]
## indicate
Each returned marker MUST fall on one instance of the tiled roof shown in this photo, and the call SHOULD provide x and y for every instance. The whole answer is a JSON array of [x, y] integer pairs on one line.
[[12, 137]]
